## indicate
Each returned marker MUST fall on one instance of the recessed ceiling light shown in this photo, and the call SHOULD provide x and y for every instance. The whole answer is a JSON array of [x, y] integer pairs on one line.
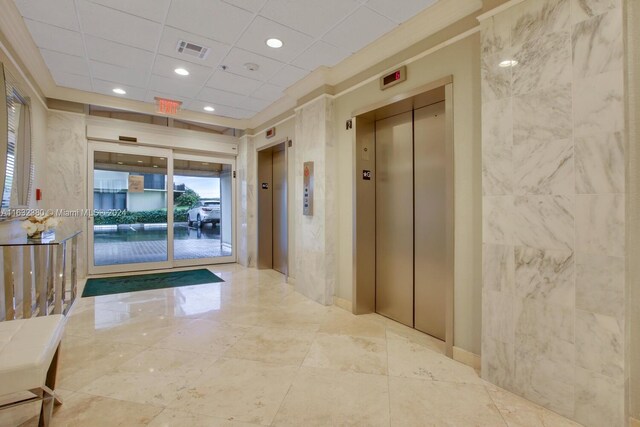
[[181, 71], [155, 166], [508, 63], [120, 91], [139, 161], [209, 108], [274, 43]]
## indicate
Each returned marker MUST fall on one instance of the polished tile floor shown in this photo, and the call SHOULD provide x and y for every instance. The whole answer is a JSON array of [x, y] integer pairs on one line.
[[251, 351]]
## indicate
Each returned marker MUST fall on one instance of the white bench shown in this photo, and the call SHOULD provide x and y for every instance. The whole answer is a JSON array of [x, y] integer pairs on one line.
[[28, 361]]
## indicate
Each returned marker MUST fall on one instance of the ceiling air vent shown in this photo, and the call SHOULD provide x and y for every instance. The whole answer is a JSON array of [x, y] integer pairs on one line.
[[192, 49]]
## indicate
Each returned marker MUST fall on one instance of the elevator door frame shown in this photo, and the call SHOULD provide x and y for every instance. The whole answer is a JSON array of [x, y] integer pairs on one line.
[[265, 219], [364, 194]]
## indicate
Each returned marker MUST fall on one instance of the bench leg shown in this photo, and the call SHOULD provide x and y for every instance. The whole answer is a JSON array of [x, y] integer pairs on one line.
[[46, 410], [49, 398]]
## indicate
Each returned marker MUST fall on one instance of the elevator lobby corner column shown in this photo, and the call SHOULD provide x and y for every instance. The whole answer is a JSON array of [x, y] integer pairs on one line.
[[316, 235], [247, 205]]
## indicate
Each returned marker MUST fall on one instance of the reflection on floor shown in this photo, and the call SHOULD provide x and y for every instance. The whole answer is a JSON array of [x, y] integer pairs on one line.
[[251, 351]]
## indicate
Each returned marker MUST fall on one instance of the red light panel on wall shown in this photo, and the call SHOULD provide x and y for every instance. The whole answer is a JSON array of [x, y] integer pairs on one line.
[[168, 106]]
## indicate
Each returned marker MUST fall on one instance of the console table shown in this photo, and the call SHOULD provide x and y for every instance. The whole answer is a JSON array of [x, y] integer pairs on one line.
[[35, 274]]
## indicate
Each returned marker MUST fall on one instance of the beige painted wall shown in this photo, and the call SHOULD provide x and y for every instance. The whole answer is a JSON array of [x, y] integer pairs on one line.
[[462, 61]]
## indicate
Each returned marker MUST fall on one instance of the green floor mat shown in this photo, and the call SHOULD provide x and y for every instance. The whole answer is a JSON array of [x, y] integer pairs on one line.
[[146, 282]]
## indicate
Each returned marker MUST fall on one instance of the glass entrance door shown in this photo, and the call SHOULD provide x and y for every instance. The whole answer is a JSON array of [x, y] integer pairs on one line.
[[202, 195], [154, 208], [130, 198]]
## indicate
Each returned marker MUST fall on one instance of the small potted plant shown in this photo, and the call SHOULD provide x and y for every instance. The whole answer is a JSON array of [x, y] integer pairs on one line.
[[36, 225]]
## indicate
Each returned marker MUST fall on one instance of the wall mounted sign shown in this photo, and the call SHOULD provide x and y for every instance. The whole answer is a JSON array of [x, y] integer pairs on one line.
[[366, 175], [393, 78], [270, 133], [168, 106], [265, 185], [136, 184]]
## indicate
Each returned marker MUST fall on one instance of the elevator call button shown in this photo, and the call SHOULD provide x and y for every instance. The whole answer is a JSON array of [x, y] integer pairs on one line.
[[366, 175], [307, 196]]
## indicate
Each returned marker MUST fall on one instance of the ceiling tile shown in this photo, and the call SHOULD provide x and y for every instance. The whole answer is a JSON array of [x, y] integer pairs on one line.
[[321, 53], [61, 13], [399, 10], [63, 63], [119, 54], [209, 18], [220, 97], [261, 29], [118, 26], [230, 82], [254, 104], [222, 110], [171, 37], [106, 88], [155, 10], [287, 76], [73, 81], [55, 38], [359, 29], [165, 66], [312, 17], [268, 92], [117, 74], [250, 5], [236, 59], [173, 86]]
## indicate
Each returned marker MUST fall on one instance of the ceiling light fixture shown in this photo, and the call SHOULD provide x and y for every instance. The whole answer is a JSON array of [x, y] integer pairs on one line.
[[120, 91], [181, 71], [209, 108], [508, 63], [139, 161], [274, 43]]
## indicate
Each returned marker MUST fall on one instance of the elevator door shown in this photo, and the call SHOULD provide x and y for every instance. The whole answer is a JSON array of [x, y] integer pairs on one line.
[[430, 219], [394, 218], [411, 219], [279, 212]]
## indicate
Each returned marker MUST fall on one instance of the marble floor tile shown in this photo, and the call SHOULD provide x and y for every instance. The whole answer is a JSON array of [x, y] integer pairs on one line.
[[348, 353], [155, 376], [84, 359], [320, 397], [170, 418], [415, 402], [519, 412], [242, 390], [279, 346], [204, 336], [81, 410], [412, 360], [342, 322], [252, 351]]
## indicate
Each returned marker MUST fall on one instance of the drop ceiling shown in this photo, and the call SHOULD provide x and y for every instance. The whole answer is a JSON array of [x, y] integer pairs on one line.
[[98, 45]]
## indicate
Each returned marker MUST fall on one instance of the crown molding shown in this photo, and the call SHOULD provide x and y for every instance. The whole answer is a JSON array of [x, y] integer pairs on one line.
[[497, 10]]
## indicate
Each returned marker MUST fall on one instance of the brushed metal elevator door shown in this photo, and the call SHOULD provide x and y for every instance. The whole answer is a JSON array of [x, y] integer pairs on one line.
[[279, 212], [394, 218], [430, 220]]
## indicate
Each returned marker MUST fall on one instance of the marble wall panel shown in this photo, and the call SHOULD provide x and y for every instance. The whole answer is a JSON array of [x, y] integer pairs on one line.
[[554, 206]]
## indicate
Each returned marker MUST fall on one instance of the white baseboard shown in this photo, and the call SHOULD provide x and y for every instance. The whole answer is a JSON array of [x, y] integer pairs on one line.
[[466, 357], [342, 303]]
